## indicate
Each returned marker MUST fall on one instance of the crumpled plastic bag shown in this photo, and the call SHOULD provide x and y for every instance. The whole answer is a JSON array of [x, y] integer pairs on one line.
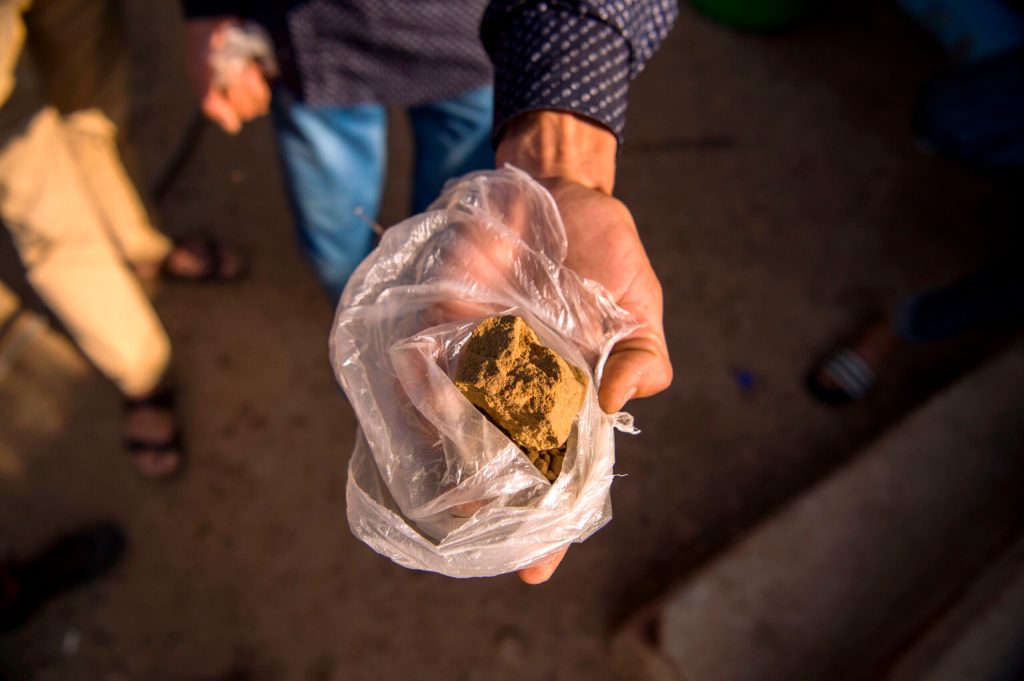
[[432, 484], [243, 44]]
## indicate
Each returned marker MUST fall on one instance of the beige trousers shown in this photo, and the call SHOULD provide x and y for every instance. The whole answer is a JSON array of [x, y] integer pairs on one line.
[[74, 215]]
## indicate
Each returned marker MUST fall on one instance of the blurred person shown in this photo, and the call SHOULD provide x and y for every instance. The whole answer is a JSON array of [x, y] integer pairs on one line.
[[70, 561], [561, 73], [76, 220], [973, 115], [341, 63]]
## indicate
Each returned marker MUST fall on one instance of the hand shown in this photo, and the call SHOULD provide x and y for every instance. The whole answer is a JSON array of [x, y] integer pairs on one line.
[[239, 96], [575, 160]]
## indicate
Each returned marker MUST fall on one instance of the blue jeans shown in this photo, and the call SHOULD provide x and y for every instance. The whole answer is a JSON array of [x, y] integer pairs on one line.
[[991, 296], [334, 166], [969, 29], [975, 115]]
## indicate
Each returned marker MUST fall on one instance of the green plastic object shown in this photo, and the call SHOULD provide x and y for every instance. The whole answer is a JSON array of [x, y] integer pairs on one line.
[[756, 15]]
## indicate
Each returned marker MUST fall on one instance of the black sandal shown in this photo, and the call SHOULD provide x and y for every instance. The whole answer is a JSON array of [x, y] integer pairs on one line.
[[208, 252], [170, 447]]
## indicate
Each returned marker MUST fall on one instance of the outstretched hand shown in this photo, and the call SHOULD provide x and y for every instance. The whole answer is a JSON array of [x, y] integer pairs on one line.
[[575, 160]]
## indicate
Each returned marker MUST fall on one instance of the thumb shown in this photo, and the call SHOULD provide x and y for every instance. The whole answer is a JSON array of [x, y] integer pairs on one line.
[[636, 367]]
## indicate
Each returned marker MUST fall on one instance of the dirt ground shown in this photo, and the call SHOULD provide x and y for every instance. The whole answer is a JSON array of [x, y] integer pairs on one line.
[[780, 195]]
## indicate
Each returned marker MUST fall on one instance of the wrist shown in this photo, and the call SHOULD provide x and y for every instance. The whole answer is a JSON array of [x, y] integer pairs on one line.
[[203, 37], [553, 145]]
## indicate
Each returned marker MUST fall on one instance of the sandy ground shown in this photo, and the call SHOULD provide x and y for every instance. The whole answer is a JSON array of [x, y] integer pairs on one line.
[[780, 195]]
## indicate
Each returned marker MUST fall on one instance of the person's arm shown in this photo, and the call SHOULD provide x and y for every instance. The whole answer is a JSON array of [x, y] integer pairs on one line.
[[575, 56], [575, 159], [562, 72]]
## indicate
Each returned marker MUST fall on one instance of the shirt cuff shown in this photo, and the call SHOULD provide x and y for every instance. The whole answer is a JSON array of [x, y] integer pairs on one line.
[[197, 9], [552, 58]]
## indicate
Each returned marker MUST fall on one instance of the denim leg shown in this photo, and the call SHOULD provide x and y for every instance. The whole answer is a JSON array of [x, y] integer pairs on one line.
[[453, 137], [975, 115], [990, 296], [333, 161]]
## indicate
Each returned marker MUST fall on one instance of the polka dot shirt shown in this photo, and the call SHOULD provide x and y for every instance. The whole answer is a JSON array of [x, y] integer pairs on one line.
[[570, 55]]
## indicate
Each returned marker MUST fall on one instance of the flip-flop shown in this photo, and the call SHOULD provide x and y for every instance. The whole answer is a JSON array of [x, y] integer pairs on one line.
[[211, 254], [171, 446], [850, 373]]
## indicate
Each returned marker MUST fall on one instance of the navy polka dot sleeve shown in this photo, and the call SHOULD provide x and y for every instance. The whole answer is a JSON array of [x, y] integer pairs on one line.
[[575, 56]]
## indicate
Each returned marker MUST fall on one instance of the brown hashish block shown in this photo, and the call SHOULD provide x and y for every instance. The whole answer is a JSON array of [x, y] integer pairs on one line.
[[525, 387]]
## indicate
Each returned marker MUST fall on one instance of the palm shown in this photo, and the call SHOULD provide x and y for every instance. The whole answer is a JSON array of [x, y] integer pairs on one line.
[[604, 246]]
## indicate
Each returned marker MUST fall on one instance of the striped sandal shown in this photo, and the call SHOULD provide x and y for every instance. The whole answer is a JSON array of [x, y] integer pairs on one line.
[[851, 378]]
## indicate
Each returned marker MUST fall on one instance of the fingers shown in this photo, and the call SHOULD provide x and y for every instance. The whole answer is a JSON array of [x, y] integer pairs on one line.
[[245, 98], [258, 87], [219, 110], [541, 571], [249, 94]]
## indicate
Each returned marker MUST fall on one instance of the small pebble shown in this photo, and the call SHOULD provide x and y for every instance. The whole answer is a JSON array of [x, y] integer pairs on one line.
[[512, 648], [547, 461], [745, 379], [71, 642]]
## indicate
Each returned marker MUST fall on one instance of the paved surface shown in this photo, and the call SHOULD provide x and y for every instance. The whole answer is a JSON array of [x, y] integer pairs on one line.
[[779, 194], [980, 637], [852, 570]]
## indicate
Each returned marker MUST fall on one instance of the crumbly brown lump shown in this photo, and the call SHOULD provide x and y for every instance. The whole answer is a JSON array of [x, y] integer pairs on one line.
[[548, 462], [527, 389]]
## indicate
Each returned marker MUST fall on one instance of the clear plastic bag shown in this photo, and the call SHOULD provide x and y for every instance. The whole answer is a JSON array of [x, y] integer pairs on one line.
[[432, 484]]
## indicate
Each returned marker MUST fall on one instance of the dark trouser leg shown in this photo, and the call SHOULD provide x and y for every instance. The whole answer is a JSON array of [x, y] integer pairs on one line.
[[989, 297]]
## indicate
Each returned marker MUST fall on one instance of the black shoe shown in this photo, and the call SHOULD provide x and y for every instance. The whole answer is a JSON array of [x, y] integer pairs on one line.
[[71, 561]]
